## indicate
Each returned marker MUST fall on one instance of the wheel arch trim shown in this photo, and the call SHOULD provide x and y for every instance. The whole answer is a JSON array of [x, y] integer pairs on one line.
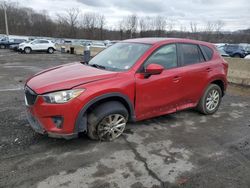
[[81, 121]]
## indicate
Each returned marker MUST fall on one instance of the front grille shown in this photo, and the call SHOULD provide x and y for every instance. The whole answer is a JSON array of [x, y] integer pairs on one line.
[[30, 96]]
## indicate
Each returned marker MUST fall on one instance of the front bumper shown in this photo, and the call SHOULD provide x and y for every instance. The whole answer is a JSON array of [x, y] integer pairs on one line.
[[41, 117], [38, 128]]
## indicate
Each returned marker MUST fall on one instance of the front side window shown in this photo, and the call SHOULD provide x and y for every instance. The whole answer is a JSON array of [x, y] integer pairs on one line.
[[191, 54], [165, 56], [119, 57], [36, 42]]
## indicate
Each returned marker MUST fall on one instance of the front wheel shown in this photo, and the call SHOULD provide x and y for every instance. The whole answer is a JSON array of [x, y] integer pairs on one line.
[[237, 55], [2, 46], [27, 50], [107, 121], [210, 101]]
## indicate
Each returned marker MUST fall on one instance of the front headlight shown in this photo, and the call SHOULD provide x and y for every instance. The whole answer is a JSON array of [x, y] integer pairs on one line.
[[60, 97]]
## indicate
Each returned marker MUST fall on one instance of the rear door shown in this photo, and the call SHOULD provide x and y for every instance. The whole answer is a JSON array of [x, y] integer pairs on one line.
[[195, 73], [44, 44]]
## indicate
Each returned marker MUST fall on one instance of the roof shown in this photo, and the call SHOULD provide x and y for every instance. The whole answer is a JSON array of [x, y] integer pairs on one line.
[[160, 40]]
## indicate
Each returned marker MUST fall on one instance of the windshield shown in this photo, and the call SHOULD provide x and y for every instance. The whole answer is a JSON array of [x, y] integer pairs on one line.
[[119, 57]]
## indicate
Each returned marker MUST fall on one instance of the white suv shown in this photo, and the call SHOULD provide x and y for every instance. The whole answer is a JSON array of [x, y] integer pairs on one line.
[[37, 45]]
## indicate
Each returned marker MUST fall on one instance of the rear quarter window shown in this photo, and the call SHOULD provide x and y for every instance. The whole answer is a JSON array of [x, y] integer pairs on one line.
[[208, 52]]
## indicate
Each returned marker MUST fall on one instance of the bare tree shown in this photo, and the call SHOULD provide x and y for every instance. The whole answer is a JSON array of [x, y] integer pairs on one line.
[[100, 24], [93, 23], [72, 18], [147, 26], [210, 27], [183, 28], [160, 25], [142, 26], [131, 23], [218, 25], [68, 22], [170, 23], [121, 28], [193, 27]]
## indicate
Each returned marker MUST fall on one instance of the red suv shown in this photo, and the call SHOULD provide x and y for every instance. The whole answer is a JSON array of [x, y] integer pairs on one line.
[[130, 81]]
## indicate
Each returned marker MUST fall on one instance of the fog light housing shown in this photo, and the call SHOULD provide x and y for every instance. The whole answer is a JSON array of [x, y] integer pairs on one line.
[[58, 121]]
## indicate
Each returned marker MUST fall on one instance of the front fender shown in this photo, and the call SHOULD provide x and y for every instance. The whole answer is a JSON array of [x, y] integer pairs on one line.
[[81, 121]]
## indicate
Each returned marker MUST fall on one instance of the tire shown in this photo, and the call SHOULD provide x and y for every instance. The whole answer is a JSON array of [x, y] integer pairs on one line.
[[237, 55], [50, 50], [102, 116], [2, 46], [212, 93], [27, 50]]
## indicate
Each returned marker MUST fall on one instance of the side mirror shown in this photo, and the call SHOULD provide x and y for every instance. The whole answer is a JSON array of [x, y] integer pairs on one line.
[[153, 69]]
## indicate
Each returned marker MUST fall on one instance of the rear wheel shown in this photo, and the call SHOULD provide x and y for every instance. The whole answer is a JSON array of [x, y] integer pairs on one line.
[[50, 50], [107, 121], [210, 101], [27, 50]]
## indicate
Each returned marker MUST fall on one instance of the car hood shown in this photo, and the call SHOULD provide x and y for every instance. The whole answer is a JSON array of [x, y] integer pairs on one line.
[[66, 77]]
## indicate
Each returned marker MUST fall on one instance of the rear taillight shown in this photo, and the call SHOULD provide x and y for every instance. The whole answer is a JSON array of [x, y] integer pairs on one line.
[[225, 65]]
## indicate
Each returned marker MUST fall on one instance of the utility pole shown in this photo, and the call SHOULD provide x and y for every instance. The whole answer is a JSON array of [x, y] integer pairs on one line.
[[6, 19]]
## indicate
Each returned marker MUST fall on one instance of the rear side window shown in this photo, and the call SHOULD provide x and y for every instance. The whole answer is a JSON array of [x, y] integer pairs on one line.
[[44, 41], [208, 51], [232, 47], [191, 54]]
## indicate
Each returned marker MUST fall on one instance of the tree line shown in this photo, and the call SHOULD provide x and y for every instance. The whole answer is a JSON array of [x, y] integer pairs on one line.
[[90, 25]]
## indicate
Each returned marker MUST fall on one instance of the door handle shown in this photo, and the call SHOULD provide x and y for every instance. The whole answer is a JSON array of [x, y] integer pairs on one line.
[[176, 79], [208, 69]]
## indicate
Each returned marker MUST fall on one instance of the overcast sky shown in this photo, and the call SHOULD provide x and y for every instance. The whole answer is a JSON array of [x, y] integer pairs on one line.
[[235, 14]]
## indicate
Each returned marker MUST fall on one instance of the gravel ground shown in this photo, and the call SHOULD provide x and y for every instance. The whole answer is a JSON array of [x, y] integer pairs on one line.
[[184, 149]]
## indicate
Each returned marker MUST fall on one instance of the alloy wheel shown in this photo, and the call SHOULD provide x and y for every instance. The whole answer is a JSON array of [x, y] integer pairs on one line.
[[51, 50], [111, 127], [27, 50], [212, 100]]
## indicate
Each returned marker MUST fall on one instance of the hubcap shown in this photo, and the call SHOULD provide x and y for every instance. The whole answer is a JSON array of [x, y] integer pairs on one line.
[[111, 127], [212, 100]]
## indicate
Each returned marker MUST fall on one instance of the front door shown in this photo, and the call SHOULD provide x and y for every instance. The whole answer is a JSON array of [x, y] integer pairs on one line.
[[159, 94]]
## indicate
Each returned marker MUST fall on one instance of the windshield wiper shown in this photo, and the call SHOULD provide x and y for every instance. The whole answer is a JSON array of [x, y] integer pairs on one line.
[[97, 66]]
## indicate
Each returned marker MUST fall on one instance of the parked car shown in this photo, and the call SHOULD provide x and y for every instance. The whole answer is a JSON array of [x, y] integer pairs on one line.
[[97, 44], [222, 52], [131, 80], [37, 45], [7, 42], [247, 57], [2, 37], [220, 45], [235, 50], [247, 48], [16, 46], [110, 43]]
